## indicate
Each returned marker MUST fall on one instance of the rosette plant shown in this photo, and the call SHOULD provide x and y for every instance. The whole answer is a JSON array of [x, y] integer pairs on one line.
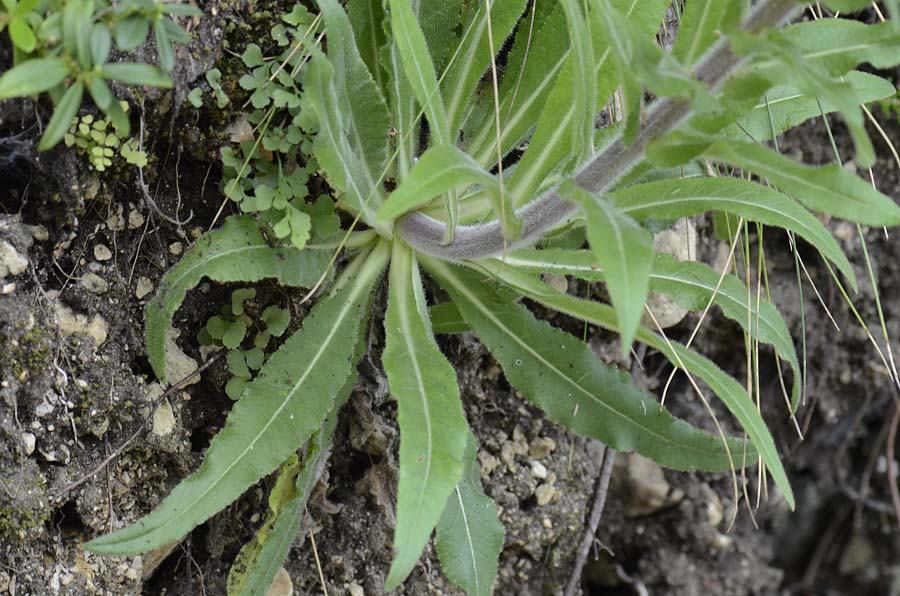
[[461, 139]]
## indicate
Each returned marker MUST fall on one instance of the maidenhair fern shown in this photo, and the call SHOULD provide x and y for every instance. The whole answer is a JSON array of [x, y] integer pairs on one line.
[[409, 130]]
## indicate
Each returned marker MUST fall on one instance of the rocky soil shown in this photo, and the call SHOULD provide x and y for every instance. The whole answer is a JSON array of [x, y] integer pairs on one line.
[[81, 253]]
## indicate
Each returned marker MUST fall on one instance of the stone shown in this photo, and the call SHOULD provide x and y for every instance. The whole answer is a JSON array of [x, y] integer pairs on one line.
[[28, 441], [538, 470], [178, 364], [557, 282], [102, 252], [72, 323], [545, 493], [93, 283], [647, 485], [281, 585], [541, 447], [11, 261], [680, 241], [144, 287], [58, 454], [354, 589], [721, 542], [175, 248], [39, 233], [135, 219], [488, 463], [164, 420]]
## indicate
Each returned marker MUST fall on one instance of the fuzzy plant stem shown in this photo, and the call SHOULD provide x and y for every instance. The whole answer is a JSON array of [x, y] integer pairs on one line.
[[599, 173]]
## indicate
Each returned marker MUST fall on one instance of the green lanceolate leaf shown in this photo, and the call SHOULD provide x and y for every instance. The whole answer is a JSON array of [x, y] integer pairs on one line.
[[236, 252], [441, 24], [470, 535], [785, 106], [410, 41], [352, 143], [280, 410], [561, 375], [672, 199], [419, 68], [692, 285], [567, 117], [134, 73], [62, 117], [549, 148], [538, 53], [21, 34], [366, 17], [258, 561], [164, 50], [626, 251], [32, 77], [446, 318], [474, 54], [829, 189], [724, 386], [698, 28], [404, 114], [433, 427], [841, 44], [442, 169]]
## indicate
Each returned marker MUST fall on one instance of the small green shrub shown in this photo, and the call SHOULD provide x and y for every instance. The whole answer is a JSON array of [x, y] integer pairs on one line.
[[62, 48], [506, 159]]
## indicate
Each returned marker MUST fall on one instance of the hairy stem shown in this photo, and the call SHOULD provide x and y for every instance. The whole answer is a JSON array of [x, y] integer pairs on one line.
[[598, 174]]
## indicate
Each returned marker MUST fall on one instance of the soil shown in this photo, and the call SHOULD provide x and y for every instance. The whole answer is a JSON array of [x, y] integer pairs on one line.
[[75, 385]]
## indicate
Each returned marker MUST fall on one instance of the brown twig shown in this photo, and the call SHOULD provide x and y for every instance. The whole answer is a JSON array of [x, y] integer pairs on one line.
[[118, 451], [600, 492]]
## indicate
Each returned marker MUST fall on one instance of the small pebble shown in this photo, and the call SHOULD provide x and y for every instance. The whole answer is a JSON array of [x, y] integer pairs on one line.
[[545, 493], [175, 248], [538, 469], [135, 219], [144, 287], [28, 440], [94, 284], [163, 420], [39, 233], [281, 585], [102, 252], [541, 447]]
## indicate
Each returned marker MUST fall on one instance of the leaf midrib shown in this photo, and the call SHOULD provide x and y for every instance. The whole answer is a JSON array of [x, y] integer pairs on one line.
[[348, 305], [760, 167], [469, 542], [406, 325]]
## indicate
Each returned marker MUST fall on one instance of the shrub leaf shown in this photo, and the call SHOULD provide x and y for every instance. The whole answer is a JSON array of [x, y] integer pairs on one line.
[[284, 405], [732, 394], [561, 375], [828, 189], [470, 535], [625, 250], [433, 427], [675, 198]]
